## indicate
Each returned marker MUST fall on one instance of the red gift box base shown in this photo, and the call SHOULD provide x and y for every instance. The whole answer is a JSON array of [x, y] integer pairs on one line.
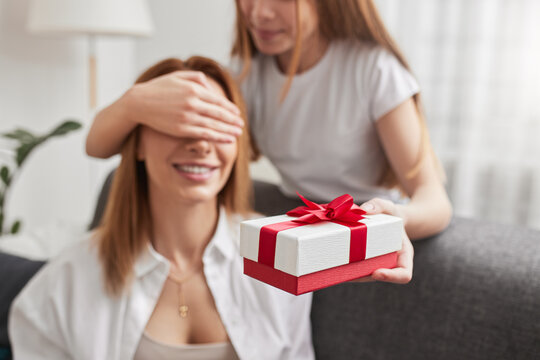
[[320, 279]]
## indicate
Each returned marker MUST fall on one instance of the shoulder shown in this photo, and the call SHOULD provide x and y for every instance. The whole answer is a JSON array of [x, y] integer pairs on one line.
[[66, 294], [77, 258], [363, 64], [251, 82], [76, 264], [257, 62], [234, 66], [363, 55]]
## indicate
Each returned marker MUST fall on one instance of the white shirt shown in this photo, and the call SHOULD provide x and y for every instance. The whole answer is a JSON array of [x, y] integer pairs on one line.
[[64, 312], [322, 138]]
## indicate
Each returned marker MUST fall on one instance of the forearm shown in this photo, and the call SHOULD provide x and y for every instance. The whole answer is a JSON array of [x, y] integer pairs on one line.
[[428, 212], [110, 128]]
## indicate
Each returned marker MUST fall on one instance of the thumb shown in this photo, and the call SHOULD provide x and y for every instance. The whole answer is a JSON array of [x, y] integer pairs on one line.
[[378, 206]]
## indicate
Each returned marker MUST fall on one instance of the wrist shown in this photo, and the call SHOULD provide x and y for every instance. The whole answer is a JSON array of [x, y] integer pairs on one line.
[[125, 107]]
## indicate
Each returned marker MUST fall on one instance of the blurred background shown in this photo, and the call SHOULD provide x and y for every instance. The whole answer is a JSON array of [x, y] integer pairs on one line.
[[477, 62]]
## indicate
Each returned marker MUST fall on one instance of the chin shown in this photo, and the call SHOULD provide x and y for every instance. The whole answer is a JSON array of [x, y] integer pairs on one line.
[[198, 196], [271, 49]]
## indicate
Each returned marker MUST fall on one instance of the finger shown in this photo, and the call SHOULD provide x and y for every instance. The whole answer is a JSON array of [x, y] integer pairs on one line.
[[404, 267], [378, 206], [196, 76], [397, 275], [198, 132], [406, 254], [225, 121], [210, 96], [402, 273], [213, 124]]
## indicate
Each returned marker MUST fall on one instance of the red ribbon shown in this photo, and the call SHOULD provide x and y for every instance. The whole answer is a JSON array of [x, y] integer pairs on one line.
[[341, 210]]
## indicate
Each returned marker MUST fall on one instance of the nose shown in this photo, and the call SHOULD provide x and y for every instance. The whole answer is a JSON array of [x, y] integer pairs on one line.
[[262, 10], [198, 146]]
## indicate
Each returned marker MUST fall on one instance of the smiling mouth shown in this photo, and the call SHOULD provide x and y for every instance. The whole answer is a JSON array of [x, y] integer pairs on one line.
[[267, 34], [193, 169]]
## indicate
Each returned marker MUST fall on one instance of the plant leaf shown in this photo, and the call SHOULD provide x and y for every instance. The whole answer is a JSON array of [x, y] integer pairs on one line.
[[64, 128], [21, 135], [16, 227], [24, 150], [4, 175]]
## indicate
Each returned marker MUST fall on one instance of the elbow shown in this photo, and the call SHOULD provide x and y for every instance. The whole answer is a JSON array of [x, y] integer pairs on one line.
[[447, 214], [92, 150], [438, 219], [95, 149]]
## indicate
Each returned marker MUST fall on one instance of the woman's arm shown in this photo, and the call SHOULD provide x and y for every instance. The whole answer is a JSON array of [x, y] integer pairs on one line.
[[179, 104], [429, 210]]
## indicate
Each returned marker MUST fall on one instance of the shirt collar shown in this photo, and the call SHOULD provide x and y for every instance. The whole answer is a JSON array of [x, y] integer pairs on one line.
[[225, 240]]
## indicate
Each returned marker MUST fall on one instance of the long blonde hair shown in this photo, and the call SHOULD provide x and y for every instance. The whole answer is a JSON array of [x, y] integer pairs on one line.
[[126, 224], [342, 19]]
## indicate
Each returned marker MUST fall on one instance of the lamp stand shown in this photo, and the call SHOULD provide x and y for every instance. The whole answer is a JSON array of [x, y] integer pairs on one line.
[[92, 71]]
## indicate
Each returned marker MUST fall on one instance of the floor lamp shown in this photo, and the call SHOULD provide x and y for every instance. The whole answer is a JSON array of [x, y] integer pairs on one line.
[[90, 18]]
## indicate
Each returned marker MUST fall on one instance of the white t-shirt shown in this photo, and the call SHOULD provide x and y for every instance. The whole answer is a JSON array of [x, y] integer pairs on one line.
[[322, 138], [65, 313]]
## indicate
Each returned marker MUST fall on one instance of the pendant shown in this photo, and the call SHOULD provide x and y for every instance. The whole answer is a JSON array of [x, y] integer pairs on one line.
[[183, 311]]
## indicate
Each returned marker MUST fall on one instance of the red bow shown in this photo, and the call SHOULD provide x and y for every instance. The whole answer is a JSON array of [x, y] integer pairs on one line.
[[340, 209]]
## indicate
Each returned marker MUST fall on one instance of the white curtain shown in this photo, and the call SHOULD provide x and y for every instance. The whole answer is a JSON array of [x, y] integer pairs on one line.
[[478, 64]]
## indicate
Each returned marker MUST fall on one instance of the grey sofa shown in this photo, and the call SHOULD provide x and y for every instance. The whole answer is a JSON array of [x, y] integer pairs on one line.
[[475, 294]]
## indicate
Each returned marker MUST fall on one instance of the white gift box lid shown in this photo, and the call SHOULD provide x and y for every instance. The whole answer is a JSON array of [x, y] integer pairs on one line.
[[309, 248]]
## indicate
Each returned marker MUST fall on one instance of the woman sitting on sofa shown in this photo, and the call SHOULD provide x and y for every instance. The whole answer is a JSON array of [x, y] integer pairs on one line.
[[162, 277]]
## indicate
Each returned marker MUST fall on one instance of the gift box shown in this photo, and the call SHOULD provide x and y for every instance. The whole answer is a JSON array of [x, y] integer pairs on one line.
[[319, 245]]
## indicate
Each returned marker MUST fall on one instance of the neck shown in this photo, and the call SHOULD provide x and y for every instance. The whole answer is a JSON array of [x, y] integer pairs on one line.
[[312, 51], [181, 230]]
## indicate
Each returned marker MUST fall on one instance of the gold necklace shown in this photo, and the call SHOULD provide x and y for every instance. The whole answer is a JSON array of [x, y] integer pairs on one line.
[[182, 306]]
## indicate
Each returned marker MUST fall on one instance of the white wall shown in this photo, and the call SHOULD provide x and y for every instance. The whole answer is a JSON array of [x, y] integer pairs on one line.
[[187, 27], [44, 81]]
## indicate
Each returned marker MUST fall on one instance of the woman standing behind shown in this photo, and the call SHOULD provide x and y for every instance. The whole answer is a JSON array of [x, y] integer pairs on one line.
[[331, 103]]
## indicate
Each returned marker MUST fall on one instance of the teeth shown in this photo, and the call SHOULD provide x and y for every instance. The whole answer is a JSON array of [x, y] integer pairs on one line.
[[193, 169]]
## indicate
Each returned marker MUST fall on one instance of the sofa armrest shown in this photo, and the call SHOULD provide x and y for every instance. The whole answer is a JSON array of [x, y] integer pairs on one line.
[[15, 272], [475, 294]]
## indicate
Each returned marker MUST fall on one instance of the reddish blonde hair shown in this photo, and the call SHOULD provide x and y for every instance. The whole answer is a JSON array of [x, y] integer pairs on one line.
[[126, 224], [341, 19]]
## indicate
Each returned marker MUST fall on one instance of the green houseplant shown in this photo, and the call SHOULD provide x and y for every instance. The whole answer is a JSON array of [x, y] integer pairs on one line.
[[26, 143]]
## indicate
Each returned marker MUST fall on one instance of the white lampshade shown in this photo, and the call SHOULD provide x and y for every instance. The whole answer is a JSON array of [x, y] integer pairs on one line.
[[98, 17]]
